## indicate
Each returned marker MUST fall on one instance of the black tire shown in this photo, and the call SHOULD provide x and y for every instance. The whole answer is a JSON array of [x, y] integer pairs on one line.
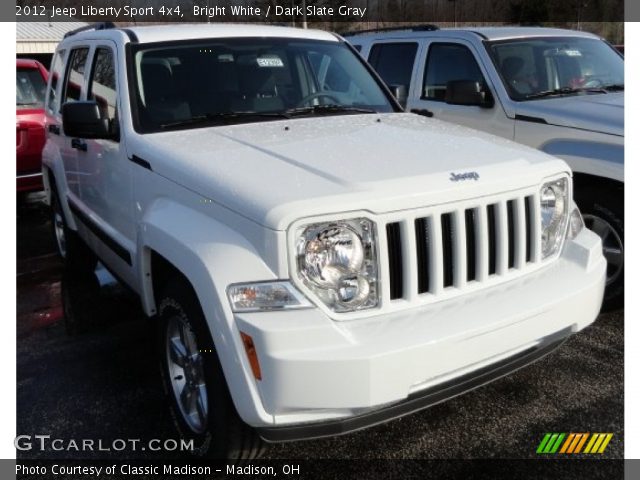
[[80, 292], [223, 435], [603, 212], [76, 255]]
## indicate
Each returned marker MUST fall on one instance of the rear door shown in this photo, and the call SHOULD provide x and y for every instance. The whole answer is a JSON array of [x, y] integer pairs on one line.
[[72, 90], [451, 60]]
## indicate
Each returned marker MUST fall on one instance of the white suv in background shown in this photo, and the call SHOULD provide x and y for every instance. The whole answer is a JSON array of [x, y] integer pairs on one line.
[[560, 91], [308, 270]]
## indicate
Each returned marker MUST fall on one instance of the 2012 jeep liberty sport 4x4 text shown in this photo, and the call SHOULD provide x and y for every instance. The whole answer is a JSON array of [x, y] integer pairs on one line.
[[316, 260]]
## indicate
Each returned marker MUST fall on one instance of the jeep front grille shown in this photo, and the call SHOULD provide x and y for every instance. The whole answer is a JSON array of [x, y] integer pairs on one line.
[[450, 249]]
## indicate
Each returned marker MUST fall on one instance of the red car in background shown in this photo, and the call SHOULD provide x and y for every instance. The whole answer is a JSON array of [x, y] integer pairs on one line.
[[31, 86]]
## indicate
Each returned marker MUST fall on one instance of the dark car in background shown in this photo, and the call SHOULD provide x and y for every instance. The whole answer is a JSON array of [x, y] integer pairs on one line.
[[31, 85]]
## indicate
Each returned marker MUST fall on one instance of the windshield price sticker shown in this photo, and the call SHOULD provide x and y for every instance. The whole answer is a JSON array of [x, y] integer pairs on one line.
[[270, 62]]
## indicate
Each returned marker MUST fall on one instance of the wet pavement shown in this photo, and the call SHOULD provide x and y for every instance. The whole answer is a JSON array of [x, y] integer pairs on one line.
[[99, 379]]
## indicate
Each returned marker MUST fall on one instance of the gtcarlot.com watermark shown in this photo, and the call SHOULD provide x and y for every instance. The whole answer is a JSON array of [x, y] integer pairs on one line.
[[46, 443]]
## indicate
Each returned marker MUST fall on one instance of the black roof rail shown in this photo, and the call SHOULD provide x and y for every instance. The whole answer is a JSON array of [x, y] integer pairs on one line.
[[93, 26], [410, 28]]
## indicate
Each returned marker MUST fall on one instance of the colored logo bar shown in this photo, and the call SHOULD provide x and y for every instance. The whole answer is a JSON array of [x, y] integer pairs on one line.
[[574, 443]]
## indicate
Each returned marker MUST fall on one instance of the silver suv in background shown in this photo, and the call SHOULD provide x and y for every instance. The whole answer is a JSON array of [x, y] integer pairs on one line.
[[560, 91]]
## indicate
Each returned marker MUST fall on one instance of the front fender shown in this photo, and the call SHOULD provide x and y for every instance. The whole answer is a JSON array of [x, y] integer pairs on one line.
[[594, 158], [211, 256]]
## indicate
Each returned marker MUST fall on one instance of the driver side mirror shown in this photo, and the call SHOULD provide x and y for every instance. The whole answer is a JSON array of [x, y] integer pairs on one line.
[[468, 92], [401, 93], [84, 120]]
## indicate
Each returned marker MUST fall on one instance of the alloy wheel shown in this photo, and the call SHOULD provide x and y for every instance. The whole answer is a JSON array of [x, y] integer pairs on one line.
[[186, 374]]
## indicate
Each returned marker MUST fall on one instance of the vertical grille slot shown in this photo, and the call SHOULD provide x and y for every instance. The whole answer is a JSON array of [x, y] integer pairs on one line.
[[528, 219], [447, 249], [511, 232], [423, 238], [394, 246], [492, 233], [470, 228]]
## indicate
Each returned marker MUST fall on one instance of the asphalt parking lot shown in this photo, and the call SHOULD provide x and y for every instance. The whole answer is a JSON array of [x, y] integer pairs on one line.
[[103, 383]]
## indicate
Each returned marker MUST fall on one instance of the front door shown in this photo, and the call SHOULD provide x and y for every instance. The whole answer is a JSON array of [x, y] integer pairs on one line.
[[104, 172], [452, 60]]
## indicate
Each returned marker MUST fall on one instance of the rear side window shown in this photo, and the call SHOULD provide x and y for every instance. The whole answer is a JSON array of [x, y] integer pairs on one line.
[[394, 62], [30, 88], [102, 84], [57, 67], [448, 62], [75, 74]]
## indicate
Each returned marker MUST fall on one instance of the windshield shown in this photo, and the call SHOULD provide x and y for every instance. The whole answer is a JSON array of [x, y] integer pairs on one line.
[[537, 67], [223, 81], [30, 88]]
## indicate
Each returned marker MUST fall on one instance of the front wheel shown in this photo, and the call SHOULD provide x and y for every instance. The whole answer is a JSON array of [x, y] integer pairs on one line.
[[201, 405], [604, 214]]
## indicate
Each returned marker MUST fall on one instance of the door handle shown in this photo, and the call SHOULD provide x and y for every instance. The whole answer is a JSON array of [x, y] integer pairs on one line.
[[422, 111], [78, 144], [55, 129]]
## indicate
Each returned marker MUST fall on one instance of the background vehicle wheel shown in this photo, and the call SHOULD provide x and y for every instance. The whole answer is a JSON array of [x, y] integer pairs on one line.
[[195, 386], [603, 213], [75, 253]]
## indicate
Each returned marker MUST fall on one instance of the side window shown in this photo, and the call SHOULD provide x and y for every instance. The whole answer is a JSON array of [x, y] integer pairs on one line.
[[102, 84], [75, 74], [448, 62], [57, 67], [394, 62]]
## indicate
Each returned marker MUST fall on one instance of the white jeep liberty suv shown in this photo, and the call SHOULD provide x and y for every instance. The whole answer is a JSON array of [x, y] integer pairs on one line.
[[317, 260]]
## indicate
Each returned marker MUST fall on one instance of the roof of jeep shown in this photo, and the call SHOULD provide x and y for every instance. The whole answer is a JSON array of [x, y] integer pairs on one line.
[[488, 33], [167, 33]]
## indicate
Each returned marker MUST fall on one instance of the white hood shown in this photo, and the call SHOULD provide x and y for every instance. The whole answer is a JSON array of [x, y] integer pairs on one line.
[[277, 172]]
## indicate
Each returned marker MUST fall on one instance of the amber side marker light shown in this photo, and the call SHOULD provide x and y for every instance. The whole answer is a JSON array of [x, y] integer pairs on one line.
[[252, 355]]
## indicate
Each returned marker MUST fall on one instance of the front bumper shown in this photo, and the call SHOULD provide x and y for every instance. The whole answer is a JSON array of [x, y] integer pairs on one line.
[[418, 400], [321, 377]]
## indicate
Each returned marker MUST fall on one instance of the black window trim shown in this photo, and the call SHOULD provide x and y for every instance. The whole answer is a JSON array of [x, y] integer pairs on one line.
[[426, 67], [132, 48]]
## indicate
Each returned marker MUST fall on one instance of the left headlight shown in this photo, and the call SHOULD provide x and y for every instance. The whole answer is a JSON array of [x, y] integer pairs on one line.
[[338, 262], [554, 209]]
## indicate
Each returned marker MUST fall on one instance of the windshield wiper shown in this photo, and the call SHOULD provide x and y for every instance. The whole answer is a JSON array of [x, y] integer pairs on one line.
[[222, 118], [330, 109], [614, 87], [564, 91]]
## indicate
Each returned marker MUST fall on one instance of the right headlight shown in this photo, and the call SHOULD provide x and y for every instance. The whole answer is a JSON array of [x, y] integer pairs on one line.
[[554, 209], [337, 261]]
